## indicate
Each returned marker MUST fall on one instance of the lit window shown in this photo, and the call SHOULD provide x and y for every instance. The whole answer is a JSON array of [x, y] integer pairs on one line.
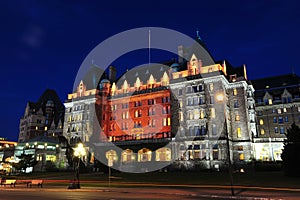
[[211, 87], [270, 101], [180, 103], [237, 116], [212, 113], [262, 131], [261, 122], [241, 156], [279, 111], [36, 128], [181, 116], [46, 128], [239, 134], [276, 129], [201, 114], [234, 91], [284, 110]]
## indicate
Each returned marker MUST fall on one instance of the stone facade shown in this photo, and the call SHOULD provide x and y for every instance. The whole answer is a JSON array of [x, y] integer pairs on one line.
[[277, 107]]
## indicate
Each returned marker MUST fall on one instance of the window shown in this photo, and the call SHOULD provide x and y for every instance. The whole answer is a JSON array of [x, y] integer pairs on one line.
[[279, 111], [200, 88], [195, 101], [165, 99], [286, 119], [215, 152], [212, 113], [259, 113], [181, 116], [180, 103], [275, 119], [151, 111], [138, 113], [201, 114], [280, 120], [203, 130], [189, 101], [211, 87], [151, 101], [262, 131], [191, 115], [261, 122], [180, 92], [201, 100], [276, 129], [239, 134], [137, 103], [211, 99], [236, 104], [270, 101], [167, 121], [234, 91], [151, 123], [195, 88], [214, 130], [191, 131], [281, 130], [237, 116], [284, 110], [197, 131], [188, 89], [298, 109], [241, 156]]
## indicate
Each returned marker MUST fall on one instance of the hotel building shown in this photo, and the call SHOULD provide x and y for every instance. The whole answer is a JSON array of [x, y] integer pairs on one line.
[[277, 101], [186, 112]]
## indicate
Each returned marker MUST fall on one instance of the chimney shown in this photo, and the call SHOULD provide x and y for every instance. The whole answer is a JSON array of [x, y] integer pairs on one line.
[[112, 74]]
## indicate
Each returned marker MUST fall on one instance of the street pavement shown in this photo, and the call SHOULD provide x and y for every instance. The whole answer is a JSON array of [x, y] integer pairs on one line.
[[52, 192]]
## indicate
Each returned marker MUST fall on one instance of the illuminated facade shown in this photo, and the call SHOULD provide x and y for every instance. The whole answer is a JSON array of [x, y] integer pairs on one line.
[[42, 118], [182, 103], [277, 107]]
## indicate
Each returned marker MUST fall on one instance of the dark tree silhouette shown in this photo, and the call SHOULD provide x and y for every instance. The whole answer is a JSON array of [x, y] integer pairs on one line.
[[291, 151], [26, 160]]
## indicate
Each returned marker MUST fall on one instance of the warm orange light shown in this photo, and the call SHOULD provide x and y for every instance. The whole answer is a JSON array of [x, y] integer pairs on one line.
[[220, 97]]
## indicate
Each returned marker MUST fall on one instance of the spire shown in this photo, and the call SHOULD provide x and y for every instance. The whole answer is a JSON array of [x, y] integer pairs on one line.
[[198, 36]]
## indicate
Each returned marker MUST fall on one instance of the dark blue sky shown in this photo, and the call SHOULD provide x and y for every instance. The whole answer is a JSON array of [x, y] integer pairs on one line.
[[44, 42]]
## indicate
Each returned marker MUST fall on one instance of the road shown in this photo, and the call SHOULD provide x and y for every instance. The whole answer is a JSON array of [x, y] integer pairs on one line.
[[93, 193]]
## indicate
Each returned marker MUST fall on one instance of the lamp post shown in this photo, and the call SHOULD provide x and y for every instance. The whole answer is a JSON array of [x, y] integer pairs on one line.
[[79, 151], [220, 98]]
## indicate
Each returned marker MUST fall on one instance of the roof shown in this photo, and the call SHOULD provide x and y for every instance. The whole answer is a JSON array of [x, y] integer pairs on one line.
[[43, 139], [50, 95], [276, 81], [275, 85]]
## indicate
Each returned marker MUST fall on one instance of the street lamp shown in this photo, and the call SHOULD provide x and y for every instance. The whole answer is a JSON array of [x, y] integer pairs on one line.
[[221, 98], [79, 151]]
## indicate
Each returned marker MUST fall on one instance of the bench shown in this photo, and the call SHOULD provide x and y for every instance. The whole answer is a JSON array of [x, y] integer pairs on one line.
[[39, 183], [19, 182], [11, 182]]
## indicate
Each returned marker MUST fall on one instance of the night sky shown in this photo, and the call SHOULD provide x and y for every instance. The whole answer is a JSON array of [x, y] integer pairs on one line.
[[43, 43]]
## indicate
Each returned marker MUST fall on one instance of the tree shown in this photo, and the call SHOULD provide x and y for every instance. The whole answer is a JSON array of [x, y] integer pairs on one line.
[[291, 151], [26, 160]]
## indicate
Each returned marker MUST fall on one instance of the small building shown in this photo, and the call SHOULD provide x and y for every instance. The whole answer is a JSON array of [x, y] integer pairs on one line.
[[48, 153]]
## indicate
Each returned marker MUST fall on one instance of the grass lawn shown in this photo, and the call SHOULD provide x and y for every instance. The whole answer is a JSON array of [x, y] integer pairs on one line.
[[261, 179]]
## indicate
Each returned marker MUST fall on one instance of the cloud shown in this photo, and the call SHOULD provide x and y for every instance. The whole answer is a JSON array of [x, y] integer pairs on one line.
[[33, 36]]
